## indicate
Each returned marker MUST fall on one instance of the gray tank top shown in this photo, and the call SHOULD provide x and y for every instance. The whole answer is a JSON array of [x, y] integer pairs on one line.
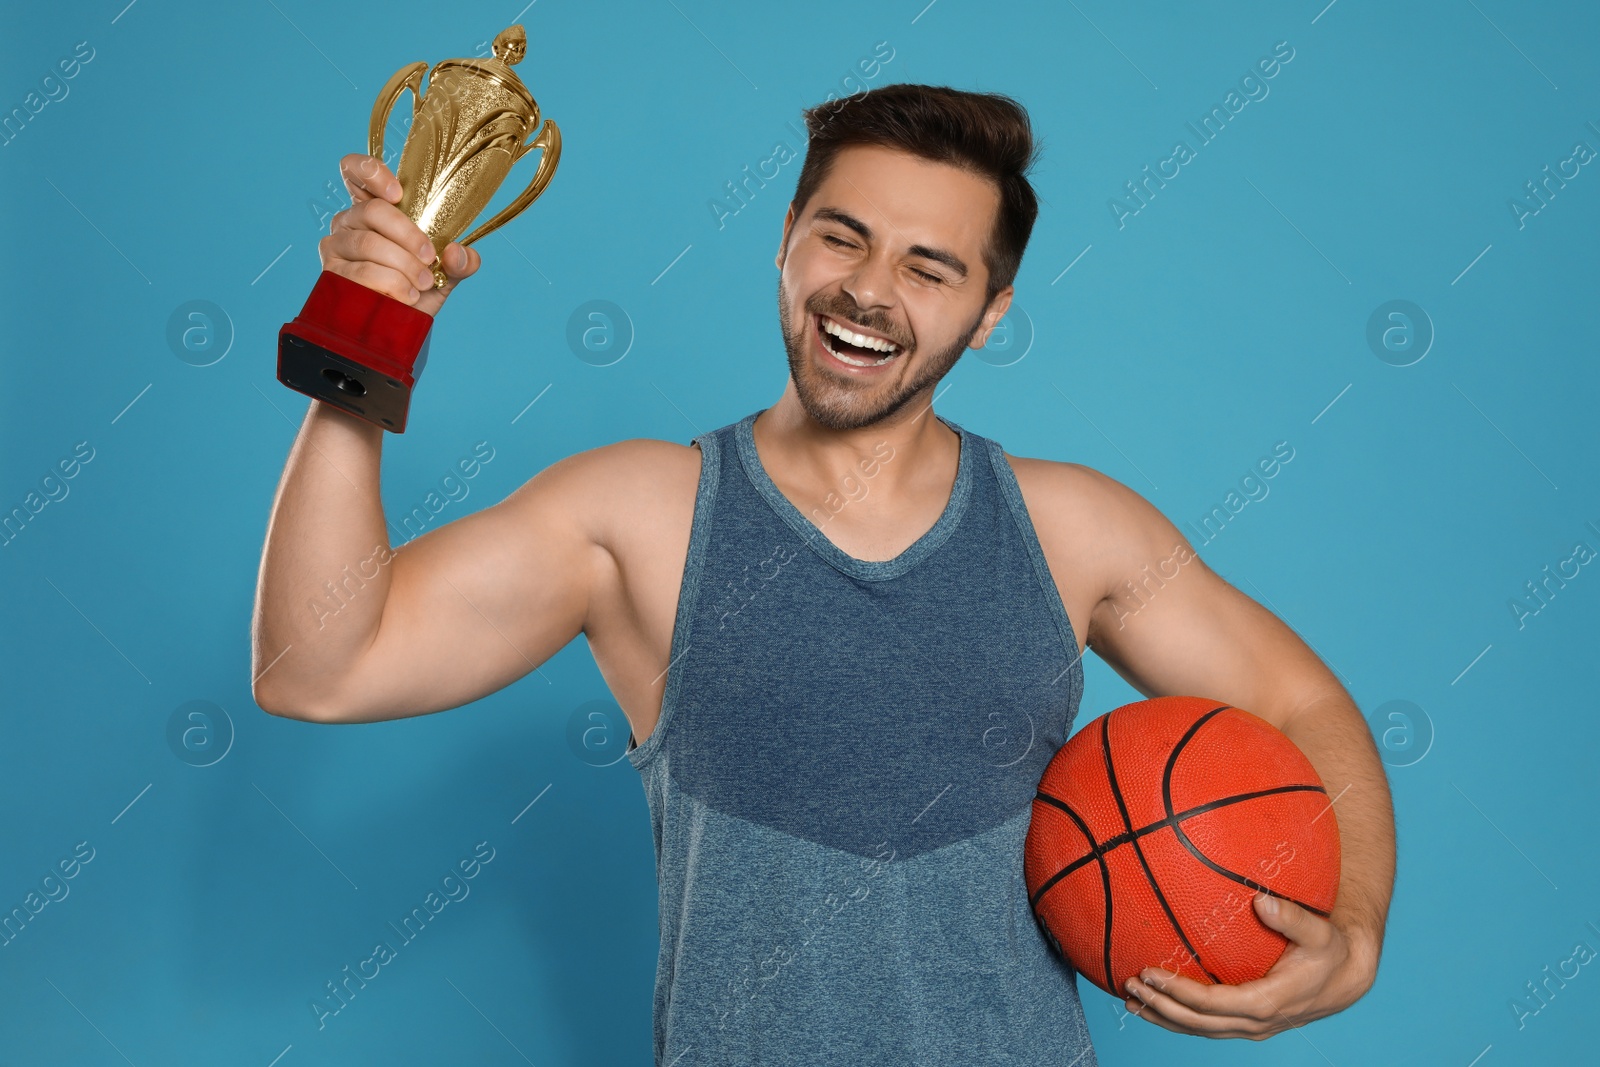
[[841, 780]]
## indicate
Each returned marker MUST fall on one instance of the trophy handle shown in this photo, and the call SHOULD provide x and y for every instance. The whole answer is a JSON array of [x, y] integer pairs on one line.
[[549, 139], [405, 78]]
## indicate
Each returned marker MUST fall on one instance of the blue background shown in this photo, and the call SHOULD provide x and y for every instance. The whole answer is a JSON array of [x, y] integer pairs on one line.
[[1231, 312]]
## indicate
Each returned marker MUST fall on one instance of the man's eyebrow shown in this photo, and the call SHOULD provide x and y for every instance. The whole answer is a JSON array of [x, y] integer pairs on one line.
[[844, 218]]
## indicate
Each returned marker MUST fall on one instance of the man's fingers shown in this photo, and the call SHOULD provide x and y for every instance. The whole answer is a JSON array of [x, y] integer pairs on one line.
[[365, 246], [388, 222], [1247, 1000], [1140, 1010], [367, 178], [1164, 1011], [1210, 999], [1294, 922], [460, 261], [376, 244]]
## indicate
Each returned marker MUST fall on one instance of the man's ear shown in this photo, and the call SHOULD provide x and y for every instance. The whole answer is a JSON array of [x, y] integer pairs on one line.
[[995, 312], [783, 245]]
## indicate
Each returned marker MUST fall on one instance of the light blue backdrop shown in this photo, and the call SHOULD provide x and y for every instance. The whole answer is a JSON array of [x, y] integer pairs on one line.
[[235, 869]]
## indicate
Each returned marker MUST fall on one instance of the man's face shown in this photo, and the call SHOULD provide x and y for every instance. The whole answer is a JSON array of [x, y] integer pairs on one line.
[[890, 247]]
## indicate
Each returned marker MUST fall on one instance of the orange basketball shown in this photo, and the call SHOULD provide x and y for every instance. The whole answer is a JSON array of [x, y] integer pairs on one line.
[[1155, 826]]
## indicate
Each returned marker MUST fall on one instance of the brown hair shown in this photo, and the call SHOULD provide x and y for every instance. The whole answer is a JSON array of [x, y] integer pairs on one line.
[[986, 133]]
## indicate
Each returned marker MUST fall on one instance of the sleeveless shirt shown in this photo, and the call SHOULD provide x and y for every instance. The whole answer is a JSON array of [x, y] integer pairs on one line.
[[841, 777]]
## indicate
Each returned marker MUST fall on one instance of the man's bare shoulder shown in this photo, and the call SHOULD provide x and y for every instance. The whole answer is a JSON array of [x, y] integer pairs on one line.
[[1085, 512], [615, 474], [639, 487], [639, 461], [1063, 491]]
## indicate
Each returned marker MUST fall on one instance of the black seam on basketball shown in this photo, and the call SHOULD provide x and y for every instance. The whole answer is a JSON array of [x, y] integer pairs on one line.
[[1112, 843], [1094, 852], [1201, 809], [1161, 898], [1105, 876], [1098, 850], [1248, 883], [1183, 838]]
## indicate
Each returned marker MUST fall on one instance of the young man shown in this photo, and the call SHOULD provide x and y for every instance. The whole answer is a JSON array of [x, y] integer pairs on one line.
[[837, 631]]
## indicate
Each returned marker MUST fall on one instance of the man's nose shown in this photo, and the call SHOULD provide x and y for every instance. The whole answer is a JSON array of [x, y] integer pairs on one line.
[[871, 284]]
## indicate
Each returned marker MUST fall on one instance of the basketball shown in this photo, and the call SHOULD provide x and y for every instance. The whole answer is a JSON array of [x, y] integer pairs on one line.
[[1154, 827]]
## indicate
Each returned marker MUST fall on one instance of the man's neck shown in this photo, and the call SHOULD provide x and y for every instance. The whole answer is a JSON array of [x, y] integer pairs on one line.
[[890, 468]]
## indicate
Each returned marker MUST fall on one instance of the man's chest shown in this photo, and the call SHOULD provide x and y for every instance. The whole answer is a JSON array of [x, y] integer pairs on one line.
[[636, 605]]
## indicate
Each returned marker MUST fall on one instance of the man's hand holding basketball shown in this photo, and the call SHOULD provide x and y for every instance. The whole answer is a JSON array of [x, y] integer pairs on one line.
[[374, 243], [1325, 969]]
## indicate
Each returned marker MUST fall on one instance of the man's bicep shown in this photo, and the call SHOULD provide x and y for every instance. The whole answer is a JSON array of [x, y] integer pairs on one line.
[[1170, 625], [481, 601]]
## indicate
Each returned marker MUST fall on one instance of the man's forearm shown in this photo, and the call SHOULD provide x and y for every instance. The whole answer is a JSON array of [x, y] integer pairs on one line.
[[1330, 730], [324, 575]]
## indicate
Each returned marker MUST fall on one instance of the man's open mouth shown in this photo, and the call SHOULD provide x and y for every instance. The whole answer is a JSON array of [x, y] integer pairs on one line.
[[856, 349]]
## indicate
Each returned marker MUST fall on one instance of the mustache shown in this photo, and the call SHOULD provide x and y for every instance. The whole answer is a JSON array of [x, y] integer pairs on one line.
[[851, 313]]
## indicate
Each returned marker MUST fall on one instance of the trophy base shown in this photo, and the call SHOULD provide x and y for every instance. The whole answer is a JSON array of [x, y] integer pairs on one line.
[[356, 349], [318, 372]]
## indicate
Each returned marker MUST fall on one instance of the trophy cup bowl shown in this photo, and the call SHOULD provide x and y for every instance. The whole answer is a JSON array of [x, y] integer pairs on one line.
[[362, 350]]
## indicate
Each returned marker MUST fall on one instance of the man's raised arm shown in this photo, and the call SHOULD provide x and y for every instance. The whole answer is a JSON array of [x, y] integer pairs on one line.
[[347, 629]]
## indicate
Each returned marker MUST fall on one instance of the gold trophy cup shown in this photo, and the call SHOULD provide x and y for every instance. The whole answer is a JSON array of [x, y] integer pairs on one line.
[[359, 349]]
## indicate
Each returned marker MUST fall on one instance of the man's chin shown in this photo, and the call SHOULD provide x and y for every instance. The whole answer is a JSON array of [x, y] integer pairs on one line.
[[840, 404]]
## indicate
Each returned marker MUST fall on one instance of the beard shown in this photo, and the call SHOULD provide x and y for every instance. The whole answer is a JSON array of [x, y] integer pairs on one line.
[[838, 402]]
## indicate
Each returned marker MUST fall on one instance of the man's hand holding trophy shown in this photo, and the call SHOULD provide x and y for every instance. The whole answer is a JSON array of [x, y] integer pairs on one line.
[[393, 256]]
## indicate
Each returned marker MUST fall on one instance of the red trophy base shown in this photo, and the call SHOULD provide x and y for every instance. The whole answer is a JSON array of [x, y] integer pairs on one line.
[[356, 349]]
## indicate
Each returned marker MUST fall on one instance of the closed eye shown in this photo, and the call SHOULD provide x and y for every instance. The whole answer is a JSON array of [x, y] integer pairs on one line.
[[839, 242]]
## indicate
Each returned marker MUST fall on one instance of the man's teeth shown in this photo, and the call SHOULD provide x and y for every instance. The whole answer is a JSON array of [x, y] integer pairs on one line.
[[854, 362], [858, 339]]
